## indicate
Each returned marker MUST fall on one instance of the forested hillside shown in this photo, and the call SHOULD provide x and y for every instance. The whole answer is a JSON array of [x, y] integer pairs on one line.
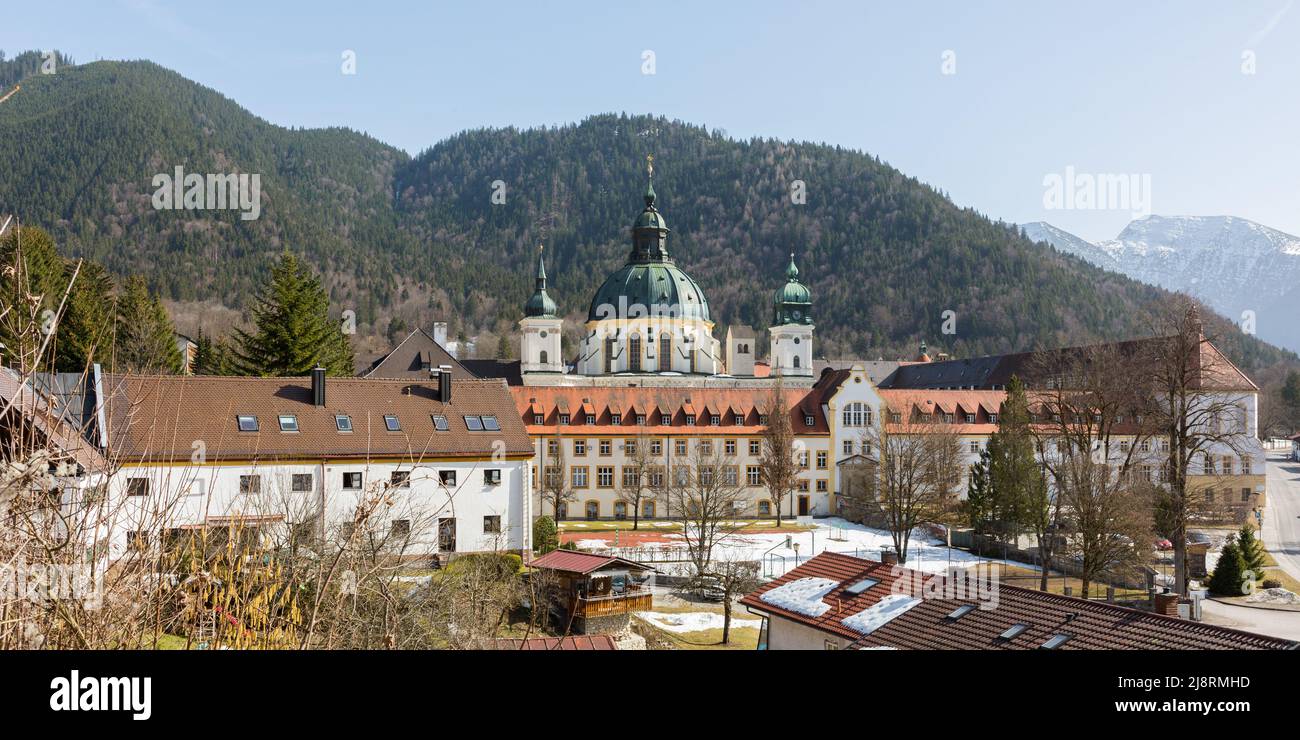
[[420, 238]]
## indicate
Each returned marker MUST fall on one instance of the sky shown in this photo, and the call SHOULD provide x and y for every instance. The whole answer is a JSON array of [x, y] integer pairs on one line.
[[1001, 105]]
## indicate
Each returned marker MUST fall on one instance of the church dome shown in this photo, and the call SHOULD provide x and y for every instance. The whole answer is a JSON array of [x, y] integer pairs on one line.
[[540, 305], [649, 280]]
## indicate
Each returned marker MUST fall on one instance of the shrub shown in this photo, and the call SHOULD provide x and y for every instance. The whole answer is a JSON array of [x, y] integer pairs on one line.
[[1272, 583], [1229, 572]]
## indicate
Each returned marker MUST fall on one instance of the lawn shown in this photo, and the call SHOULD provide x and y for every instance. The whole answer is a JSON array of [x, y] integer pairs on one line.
[[1011, 575]]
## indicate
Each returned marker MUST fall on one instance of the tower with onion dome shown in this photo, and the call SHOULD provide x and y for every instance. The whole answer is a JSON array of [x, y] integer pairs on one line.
[[792, 326], [540, 329]]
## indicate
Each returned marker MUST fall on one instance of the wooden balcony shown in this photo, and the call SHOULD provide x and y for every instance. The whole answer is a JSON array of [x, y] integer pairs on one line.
[[604, 606]]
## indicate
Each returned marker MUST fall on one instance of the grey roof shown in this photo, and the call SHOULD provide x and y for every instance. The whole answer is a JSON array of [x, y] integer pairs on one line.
[[412, 358], [879, 371]]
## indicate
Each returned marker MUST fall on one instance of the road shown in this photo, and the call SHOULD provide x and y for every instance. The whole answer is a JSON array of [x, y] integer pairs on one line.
[[1281, 531], [1272, 622]]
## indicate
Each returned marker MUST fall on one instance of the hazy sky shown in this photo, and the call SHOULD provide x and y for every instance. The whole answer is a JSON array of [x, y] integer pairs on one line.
[[1160, 89]]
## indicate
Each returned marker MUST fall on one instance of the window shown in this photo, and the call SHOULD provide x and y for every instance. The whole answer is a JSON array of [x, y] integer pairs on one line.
[[246, 423], [656, 477], [647, 510], [974, 445], [829, 644], [640, 419], [861, 586], [593, 510], [492, 524], [665, 419], [605, 447], [847, 447], [579, 448], [634, 353], [539, 419], [738, 419], [1246, 465], [753, 475], [803, 460], [762, 419], [679, 447], [629, 447], [288, 423], [447, 477], [1245, 495], [564, 419], [620, 510], [765, 508], [821, 485], [553, 447], [821, 459], [137, 486], [492, 476], [1227, 465], [808, 420], [895, 417], [1013, 632], [960, 612], [802, 486], [948, 418], [474, 423], [352, 481], [1055, 641], [400, 479], [993, 418], [729, 447], [552, 476], [630, 477], [343, 422], [391, 423], [715, 420], [250, 484], [137, 540], [665, 352], [706, 447], [605, 476], [400, 529], [616, 419], [578, 475], [440, 423], [755, 448], [729, 475], [301, 482], [970, 418], [591, 418], [690, 420], [706, 476], [656, 447], [1145, 445]]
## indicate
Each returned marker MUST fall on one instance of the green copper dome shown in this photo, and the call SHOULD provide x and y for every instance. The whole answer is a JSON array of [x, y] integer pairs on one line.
[[792, 303], [540, 304], [649, 280]]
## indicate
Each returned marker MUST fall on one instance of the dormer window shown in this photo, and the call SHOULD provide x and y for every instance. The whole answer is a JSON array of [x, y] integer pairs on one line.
[[970, 418], [993, 418], [640, 419], [715, 420], [539, 419], [564, 419], [665, 419], [738, 420], [808, 420], [690, 420], [762, 419], [616, 419], [948, 418], [246, 423], [591, 418]]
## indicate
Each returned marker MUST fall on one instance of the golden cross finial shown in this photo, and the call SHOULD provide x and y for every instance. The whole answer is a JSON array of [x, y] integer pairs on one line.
[[650, 164], [541, 247]]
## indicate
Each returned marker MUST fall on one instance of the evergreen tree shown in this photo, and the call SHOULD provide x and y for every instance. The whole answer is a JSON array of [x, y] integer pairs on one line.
[[293, 330], [1229, 574], [979, 494], [30, 292], [86, 330], [503, 347], [145, 338], [1291, 392], [546, 537], [1014, 473], [211, 355], [1252, 551]]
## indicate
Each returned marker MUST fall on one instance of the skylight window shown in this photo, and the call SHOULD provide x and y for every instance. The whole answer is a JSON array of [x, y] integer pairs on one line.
[[343, 422], [1055, 641], [474, 423], [288, 423], [861, 586], [1013, 632], [490, 424], [247, 423], [960, 612], [391, 423], [440, 423]]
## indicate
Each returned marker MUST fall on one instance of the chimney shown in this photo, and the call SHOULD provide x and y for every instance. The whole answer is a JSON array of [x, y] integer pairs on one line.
[[888, 557], [1167, 604], [440, 333], [318, 386], [444, 383]]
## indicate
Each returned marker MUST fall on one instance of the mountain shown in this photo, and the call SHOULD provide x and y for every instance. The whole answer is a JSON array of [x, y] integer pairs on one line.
[[420, 238], [1232, 264]]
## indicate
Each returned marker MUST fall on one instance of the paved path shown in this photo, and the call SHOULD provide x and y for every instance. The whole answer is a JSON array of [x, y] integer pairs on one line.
[[1281, 531], [1272, 622]]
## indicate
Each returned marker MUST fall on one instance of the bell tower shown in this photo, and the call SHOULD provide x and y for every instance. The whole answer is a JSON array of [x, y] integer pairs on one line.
[[540, 329], [792, 327]]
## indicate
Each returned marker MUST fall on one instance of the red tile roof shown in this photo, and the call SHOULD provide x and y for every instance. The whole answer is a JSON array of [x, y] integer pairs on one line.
[[573, 642], [1093, 625], [572, 561]]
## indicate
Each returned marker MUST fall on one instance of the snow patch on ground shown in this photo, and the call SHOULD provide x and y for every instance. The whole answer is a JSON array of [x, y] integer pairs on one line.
[[803, 596], [1274, 596], [694, 621], [878, 614]]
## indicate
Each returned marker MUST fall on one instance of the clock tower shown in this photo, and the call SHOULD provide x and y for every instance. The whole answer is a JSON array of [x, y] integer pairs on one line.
[[792, 327]]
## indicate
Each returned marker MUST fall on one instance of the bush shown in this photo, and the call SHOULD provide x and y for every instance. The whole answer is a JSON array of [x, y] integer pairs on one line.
[[502, 563], [1272, 583], [546, 536]]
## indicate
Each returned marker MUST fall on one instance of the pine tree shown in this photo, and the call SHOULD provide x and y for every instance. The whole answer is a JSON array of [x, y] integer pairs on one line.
[[1014, 473], [546, 536], [145, 339], [293, 330], [86, 330], [1229, 574], [979, 494], [503, 347], [211, 355], [1252, 551], [30, 292]]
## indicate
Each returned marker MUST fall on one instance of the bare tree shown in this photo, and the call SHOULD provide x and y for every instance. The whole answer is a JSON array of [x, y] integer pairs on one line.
[[634, 487], [554, 484], [707, 493], [1201, 402], [778, 469], [913, 472]]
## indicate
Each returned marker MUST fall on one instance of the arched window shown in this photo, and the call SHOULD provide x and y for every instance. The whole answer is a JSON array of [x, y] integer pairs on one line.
[[542, 358], [609, 354], [796, 360], [634, 353], [665, 352], [593, 510]]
